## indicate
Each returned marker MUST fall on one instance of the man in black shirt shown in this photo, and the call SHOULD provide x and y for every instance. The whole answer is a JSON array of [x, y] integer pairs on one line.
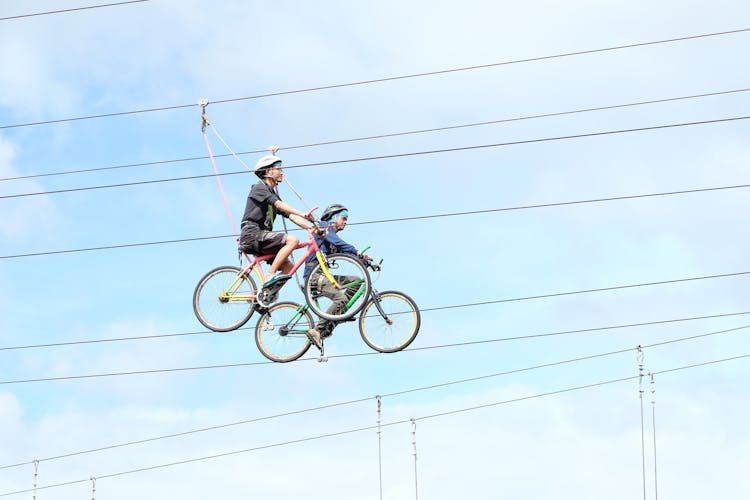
[[263, 203]]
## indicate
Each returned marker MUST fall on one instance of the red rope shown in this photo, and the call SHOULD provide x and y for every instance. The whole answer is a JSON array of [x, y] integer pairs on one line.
[[221, 187]]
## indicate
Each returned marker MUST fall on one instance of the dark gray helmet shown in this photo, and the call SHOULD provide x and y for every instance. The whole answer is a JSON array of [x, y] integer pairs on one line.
[[332, 210]]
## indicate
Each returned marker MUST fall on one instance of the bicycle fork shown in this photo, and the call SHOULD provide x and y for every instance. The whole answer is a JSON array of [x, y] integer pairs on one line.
[[375, 296]]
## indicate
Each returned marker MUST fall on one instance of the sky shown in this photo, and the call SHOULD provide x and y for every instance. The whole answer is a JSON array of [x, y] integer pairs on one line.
[[524, 379]]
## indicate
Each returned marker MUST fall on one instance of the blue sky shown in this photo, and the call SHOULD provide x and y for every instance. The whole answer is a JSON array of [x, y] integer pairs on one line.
[[579, 444]]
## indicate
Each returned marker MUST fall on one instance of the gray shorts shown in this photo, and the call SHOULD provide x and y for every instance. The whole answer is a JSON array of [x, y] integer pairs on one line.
[[266, 242]]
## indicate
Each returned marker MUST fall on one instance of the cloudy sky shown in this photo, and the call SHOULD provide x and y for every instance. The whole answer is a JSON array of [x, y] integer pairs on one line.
[[519, 239]]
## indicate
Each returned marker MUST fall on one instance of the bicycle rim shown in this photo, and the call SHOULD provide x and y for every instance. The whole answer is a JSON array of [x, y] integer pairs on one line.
[[355, 287], [395, 327], [223, 300], [280, 333]]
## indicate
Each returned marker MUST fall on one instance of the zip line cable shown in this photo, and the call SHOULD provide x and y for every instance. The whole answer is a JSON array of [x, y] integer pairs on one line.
[[369, 353], [71, 10], [205, 123], [400, 219], [373, 427], [208, 123], [392, 156], [423, 310], [389, 79], [364, 399], [384, 136]]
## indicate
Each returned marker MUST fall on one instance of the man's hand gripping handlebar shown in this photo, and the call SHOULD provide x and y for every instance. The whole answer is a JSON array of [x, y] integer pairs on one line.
[[318, 230]]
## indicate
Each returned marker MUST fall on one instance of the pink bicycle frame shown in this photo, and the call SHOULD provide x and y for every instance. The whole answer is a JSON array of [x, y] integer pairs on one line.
[[254, 262]]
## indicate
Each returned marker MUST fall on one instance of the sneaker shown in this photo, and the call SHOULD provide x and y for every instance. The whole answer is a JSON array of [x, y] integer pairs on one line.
[[314, 337], [276, 279]]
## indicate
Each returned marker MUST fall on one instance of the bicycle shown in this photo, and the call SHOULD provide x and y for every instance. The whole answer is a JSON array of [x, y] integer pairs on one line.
[[389, 322], [226, 297]]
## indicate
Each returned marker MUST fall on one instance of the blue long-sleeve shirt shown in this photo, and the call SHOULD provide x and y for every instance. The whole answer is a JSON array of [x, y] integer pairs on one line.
[[330, 243]]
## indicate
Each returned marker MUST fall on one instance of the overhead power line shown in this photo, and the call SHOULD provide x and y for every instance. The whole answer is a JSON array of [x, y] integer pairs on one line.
[[423, 310], [388, 157], [113, 247], [364, 399], [596, 384], [372, 427], [499, 301], [384, 136], [71, 10], [399, 219], [389, 79]]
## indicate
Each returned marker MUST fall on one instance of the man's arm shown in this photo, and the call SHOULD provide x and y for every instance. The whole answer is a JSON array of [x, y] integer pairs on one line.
[[300, 221], [341, 245], [294, 215]]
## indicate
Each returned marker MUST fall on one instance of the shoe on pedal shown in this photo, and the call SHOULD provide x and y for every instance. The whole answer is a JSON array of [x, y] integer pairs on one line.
[[276, 279], [314, 336]]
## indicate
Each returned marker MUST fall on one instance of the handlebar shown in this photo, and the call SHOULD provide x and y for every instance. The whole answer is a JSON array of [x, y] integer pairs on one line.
[[315, 227], [309, 214], [370, 262], [372, 265]]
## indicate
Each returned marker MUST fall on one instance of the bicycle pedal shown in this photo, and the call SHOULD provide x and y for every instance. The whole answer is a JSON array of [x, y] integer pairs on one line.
[[266, 297]]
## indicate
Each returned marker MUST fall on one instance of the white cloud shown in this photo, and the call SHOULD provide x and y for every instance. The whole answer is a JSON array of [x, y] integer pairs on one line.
[[582, 445], [23, 219]]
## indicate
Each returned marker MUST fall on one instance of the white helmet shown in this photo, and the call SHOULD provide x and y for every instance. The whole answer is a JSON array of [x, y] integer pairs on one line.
[[265, 163]]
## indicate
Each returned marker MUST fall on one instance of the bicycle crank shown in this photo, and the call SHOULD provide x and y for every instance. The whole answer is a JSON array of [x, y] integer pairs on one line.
[[267, 296]]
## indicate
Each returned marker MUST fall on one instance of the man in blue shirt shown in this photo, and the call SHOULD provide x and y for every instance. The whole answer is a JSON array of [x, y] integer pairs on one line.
[[333, 220]]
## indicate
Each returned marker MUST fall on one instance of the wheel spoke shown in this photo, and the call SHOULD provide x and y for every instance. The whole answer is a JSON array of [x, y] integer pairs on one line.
[[343, 301], [389, 322], [280, 333], [223, 299]]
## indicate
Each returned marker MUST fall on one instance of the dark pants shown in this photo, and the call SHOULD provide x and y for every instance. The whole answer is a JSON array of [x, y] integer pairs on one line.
[[339, 297]]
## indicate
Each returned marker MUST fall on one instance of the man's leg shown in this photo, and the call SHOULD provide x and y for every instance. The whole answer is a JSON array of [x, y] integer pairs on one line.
[[324, 327], [338, 296], [281, 260]]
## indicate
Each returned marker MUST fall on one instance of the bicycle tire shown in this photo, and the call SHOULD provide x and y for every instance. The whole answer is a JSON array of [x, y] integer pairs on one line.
[[339, 264], [224, 315], [403, 314], [280, 332]]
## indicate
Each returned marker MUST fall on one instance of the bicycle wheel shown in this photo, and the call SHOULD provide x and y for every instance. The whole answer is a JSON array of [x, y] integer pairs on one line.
[[224, 300], [393, 325], [280, 333], [337, 304]]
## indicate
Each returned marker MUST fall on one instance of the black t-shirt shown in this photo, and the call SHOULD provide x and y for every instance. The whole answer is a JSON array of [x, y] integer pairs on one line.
[[259, 210]]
